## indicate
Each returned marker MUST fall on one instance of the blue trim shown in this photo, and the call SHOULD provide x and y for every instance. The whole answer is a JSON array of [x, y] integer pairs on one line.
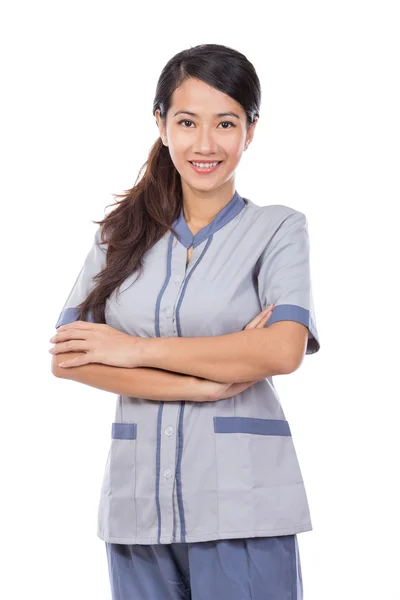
[[251, 425], [293, 312], [226, 214], [158, 464], [289, 312], [167, 278], [69, 315], [178, 477], [160, 410], [178, 306], [178, 473], [123, 431]]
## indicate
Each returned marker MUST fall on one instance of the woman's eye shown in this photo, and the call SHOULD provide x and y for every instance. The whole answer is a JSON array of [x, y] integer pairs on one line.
[[185, 121], [227, 123]]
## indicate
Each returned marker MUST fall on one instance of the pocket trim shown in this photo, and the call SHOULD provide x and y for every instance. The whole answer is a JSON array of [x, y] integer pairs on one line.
[[251, 425], [123, 431]]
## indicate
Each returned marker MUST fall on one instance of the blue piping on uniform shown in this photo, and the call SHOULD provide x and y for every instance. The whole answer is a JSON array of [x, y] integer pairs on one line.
[[178, 477], [182, 406], [160, 295], [158, 460], [160, 410]]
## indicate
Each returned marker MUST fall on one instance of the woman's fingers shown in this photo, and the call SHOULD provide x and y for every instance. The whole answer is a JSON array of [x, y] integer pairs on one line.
[[264, 320], [236, 388], [261, 318]]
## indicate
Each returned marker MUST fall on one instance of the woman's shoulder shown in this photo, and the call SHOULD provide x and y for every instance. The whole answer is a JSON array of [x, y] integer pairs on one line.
[[274, 214]]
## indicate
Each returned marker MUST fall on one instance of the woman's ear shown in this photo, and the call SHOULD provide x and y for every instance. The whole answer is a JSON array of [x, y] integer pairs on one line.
[[250, 133], [161, 127]]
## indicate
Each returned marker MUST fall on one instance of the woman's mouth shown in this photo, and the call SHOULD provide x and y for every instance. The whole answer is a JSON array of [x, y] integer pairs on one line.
[[205, 167]]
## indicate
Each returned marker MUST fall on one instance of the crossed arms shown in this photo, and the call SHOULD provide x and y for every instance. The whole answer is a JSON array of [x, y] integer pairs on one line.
[[177, 368]]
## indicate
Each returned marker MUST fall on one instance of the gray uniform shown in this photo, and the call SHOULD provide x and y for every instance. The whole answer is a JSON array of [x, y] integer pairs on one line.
[[188, 471]]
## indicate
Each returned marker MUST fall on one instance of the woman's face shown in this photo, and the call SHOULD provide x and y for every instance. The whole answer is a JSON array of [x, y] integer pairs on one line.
[[199, 129]]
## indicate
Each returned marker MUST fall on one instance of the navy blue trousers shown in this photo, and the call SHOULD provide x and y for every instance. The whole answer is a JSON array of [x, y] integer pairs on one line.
[[259, 568]]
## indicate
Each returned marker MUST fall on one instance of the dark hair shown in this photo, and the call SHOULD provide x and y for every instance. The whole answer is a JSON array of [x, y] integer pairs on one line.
[[147, 210]]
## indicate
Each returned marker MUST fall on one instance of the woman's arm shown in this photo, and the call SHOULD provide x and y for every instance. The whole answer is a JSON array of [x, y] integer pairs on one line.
[[234, 357], [140, 382]]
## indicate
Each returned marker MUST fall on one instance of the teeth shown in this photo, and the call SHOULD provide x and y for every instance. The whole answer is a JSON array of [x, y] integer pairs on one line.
[[205, 165]]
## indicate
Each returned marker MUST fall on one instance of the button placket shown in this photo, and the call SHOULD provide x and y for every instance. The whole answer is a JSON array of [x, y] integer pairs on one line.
[[168, 431], [171, 297], [170, 416], [168, 458]]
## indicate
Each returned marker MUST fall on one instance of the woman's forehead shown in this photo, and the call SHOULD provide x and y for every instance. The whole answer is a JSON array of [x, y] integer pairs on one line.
[[203, 100]]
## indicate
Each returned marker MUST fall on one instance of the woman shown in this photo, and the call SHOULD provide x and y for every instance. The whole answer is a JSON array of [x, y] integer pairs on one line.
[[202, 494]]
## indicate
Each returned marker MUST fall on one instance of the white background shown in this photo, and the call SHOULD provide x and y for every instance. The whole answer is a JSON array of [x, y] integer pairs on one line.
[[78, 80]]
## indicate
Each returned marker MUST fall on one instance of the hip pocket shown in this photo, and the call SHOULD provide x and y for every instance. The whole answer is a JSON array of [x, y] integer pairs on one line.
[[254, 453], [122, 460]]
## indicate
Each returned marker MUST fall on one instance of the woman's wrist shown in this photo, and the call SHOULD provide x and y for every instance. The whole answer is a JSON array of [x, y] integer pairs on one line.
[[200, 390]]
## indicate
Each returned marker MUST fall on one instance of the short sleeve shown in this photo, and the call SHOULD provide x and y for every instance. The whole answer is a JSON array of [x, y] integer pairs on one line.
[[94, 262], [284, 277]]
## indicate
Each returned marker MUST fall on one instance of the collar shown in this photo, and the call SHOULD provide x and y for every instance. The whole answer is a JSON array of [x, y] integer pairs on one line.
[[226, 214]]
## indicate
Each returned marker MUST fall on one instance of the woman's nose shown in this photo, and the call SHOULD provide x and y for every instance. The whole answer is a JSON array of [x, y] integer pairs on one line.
[[205, 141]]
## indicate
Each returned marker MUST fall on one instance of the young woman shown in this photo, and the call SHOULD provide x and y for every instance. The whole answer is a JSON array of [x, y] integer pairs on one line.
[[202, 495]]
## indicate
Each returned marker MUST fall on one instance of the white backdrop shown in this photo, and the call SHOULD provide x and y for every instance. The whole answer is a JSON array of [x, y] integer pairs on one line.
[[78, 82]]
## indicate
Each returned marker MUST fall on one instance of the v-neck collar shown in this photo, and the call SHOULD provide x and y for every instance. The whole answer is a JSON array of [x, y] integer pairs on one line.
[[226, 214]]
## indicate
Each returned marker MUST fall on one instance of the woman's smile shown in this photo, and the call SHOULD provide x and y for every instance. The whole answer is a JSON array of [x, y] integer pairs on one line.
[[205, 167]]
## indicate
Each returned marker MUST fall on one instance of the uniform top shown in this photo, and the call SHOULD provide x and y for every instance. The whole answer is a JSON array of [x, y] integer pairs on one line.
[[189, 471]]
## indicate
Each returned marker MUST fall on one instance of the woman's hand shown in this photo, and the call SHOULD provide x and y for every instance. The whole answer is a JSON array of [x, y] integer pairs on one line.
[[100, 343], [215, 390]]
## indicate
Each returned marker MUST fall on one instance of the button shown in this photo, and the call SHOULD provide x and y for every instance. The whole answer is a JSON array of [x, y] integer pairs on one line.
[[168, 312], [178, 277], [169, 430], [167, 473]]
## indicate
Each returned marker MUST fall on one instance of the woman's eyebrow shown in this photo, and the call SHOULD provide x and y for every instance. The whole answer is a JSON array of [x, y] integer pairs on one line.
[[224, 114]]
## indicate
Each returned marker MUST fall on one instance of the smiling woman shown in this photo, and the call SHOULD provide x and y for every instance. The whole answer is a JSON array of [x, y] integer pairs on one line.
[[201, 493], [205, 142]]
